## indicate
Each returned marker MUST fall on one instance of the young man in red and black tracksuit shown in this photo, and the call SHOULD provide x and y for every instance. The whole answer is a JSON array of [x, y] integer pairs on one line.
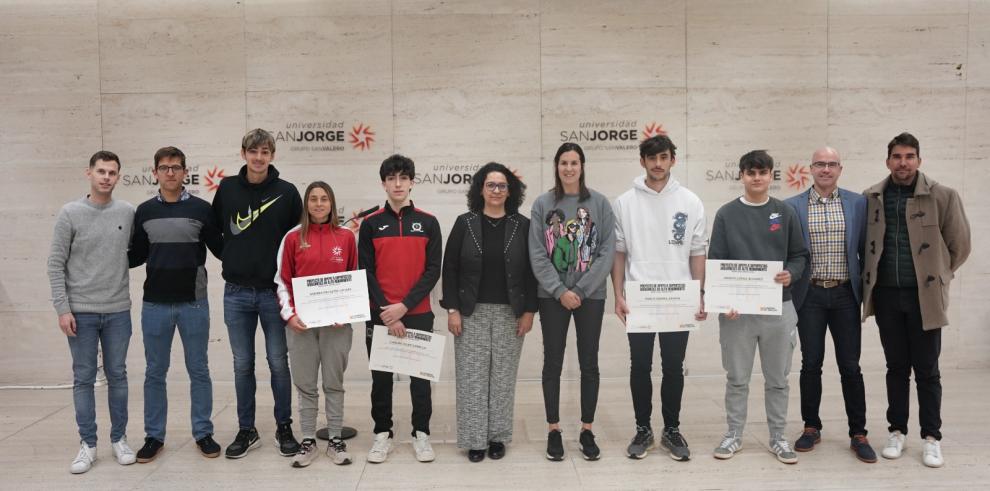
[[400, 248]]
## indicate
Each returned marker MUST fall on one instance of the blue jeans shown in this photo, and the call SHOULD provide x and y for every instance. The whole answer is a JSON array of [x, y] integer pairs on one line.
[[242, 308], [836, 310], [113, 332], [158, 323]]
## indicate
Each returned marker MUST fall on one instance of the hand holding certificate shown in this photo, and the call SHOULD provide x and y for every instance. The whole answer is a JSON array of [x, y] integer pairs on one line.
[[328, 299], [418, 354], [662, 306], [748, 287]]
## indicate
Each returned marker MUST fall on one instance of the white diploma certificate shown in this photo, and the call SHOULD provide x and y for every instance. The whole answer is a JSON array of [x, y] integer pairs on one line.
[[746, 286], [662, 306], [419, 354], [327, 299]]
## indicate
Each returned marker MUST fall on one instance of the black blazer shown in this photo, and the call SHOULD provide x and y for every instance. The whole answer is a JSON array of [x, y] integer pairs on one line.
[[462, 265]]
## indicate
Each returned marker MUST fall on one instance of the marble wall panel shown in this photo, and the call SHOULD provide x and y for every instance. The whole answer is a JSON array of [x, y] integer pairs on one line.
[[756, 43], [308, 52], [483, 7], [978, 52], [54, 51], [207, 127], [973, 308], [724, 124], [172, 9], [172, 54], [892, 47], [258, 10], [467, 86], [632, 43], [48, 127], [862, 121], [978, 123], [610, 123], [321, 127]]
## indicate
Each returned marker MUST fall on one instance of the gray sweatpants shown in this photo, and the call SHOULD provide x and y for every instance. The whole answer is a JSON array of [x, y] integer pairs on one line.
[[775, 336], [321, 349], [486, 359]]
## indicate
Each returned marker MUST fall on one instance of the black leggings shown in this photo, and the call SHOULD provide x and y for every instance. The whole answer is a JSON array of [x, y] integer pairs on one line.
[[673, 345], [554, 321]]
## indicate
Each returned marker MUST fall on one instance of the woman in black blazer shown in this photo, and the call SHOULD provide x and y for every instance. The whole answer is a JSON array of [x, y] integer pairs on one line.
[[490, 295]]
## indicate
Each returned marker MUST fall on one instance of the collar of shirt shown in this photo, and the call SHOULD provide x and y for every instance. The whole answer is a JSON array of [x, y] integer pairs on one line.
[[184, 195], [814, 197]]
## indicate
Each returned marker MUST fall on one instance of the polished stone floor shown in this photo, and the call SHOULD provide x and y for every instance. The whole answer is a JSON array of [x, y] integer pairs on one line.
[[38, 441]]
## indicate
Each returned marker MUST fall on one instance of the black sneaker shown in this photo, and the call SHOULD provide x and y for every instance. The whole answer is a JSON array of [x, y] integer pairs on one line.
[[244, 441], [808, 439], [287, 444], [150, 450], [589, 450], [208, 447], [555, 446], [675, 443], [641, 443]]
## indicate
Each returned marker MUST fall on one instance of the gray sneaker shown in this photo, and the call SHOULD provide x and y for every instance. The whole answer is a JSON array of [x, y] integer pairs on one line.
[[641, 443], [782, 449], [675, 443], [731, 443]]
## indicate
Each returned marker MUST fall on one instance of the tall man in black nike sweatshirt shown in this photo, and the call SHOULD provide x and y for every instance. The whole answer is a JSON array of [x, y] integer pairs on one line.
[[254, 210]]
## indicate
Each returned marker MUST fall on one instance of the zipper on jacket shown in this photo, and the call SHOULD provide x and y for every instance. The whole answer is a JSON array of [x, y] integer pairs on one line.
[[400, 223], [897, 239]]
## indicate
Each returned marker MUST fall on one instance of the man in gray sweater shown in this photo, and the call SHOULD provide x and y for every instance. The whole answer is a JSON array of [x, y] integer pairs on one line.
[[88, 272], [757, 227]]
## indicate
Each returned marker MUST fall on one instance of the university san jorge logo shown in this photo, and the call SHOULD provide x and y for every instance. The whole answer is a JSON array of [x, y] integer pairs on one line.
[[213, 178], [653, 129], [797, 176], [361, 136], [239, 224]]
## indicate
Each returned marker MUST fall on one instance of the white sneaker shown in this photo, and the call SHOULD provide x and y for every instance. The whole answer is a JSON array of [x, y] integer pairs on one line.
[[380, 449], [307, 453], [424, 451], [931, 453], [895, 445], [122, 452], [84, 461]]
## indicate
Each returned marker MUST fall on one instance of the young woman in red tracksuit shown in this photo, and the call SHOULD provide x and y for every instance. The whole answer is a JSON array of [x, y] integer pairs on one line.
[[318, 245]]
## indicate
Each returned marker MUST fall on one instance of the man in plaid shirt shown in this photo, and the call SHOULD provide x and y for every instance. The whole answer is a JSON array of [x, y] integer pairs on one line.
[[828, 296]]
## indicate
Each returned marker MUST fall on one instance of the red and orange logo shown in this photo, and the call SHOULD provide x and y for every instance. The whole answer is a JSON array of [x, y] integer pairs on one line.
[[798, 176], [654, 129], [361, 136], [213, 178]]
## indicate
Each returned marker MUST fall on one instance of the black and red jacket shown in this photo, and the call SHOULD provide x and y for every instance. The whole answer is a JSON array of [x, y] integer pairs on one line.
[[402, 253]]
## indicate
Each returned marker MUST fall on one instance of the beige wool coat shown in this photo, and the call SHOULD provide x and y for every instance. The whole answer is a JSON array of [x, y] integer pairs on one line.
[[939, 234]]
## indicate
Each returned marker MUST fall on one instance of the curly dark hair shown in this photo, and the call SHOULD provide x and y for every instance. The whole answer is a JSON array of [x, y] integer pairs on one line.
[[517, 190]]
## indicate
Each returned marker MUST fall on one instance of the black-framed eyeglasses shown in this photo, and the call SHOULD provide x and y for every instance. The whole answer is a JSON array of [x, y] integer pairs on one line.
[[821, 165], [497, 186], [174, 169]]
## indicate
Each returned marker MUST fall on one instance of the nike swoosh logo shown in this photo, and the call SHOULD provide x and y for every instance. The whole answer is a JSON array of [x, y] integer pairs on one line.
[[239, 224], [383, 227]]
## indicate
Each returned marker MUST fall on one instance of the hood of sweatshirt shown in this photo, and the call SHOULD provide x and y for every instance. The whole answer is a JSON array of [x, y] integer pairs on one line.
[[639, 183]]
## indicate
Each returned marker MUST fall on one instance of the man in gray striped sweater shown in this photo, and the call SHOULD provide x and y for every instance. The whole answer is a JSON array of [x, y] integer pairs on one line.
[[87, 269]]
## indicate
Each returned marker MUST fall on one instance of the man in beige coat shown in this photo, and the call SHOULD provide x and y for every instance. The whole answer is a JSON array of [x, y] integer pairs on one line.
[[917, 236]]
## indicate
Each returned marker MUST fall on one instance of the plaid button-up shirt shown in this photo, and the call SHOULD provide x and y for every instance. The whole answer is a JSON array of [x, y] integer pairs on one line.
[[827, 227]]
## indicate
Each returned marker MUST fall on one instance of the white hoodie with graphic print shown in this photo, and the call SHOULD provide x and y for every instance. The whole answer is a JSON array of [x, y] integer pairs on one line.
[[659, 232]]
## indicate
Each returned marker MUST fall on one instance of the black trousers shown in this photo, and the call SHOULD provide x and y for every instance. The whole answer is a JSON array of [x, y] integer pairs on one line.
[[907, 346], [673, 345], [381, 383], [554, 322], [835, 310]]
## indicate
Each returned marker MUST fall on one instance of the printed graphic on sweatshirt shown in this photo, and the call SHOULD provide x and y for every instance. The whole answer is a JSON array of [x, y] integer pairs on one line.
[[680, 228], [239, 224], [571, 244], [775, 222]]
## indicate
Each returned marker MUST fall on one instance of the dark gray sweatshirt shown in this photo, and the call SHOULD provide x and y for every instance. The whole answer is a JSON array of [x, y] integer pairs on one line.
[[768, 232]]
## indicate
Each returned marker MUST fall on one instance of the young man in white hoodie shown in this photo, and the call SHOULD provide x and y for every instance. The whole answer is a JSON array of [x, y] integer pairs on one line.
[[660, 236]]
